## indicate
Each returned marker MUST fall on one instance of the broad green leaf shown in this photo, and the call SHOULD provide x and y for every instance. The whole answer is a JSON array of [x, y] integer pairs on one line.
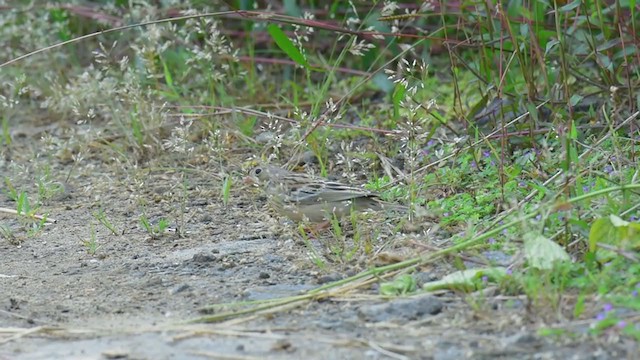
[[466, 280], [617, 222], [541, 252], [613, 230], [570, 6], [609, 44], [627, 51], [286, 45], [550, 45], [398, 96], [478, 107], [23, 203], [383, 83], [401, 285], [601, 231], [575, 99], [604, 61], [515, 9], [533, 112], [292, 9], [573, 133]]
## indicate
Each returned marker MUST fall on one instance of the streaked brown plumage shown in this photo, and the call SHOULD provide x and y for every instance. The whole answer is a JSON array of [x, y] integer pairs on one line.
[[301, 196]]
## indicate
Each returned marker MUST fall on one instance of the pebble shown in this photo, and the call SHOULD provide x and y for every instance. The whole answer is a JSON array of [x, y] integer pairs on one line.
[[403, 309]]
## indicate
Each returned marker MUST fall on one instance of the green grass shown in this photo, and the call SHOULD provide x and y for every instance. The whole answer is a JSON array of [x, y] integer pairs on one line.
[[155, 231], [102, 218], [91, 245]]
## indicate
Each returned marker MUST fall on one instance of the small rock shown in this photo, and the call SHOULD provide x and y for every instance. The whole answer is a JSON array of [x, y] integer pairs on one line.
[[423, 277], [274, 291], [402, 309], [283, 345], [206, 218], [115, 354], [180, 288], [202, 258], [447, 350], [306, 158], [522, 339], [325, 279]]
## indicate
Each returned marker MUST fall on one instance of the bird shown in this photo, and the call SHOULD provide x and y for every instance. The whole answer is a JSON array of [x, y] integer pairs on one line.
[[303, 197]]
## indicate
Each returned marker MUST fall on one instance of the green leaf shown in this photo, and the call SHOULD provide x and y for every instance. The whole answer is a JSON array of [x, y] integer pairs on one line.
[[23, 204], [478, 107], [247, 125], [292, 9], [579, 307], [466, 280], [614, 43], [398, 96], [570, 6], [618, 222], [401, 285], [604, 61], [226, 190], [575, 99], [383, 83], [601, 231], [573, 133], [628, 233], [286, 45], [541, 252], [167, 74], [550, 45], [613, 230], [533, 111]]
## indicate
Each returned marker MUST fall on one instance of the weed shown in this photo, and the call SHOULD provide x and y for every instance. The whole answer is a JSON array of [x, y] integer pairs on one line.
[[155, 231], [36, 227], [226, 190], [91, 245], [313, 254], [401, 285], [8, 234], [48, 188], [10, 190], [101, 216], [23, 206]]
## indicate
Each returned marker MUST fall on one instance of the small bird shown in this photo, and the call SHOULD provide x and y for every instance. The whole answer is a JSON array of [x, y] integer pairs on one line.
[[304, 197]]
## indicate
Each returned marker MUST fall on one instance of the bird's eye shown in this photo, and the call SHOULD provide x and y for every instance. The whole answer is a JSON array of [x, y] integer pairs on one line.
[[257, 171]]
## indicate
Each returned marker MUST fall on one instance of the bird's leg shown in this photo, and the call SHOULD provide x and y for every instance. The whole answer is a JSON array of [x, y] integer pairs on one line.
[[322, 226], [314, 230]]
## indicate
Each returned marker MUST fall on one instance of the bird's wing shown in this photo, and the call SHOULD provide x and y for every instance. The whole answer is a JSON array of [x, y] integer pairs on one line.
[[322, 191]]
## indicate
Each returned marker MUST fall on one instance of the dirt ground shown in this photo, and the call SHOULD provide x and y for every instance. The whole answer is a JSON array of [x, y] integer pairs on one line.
[[133, 297]]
